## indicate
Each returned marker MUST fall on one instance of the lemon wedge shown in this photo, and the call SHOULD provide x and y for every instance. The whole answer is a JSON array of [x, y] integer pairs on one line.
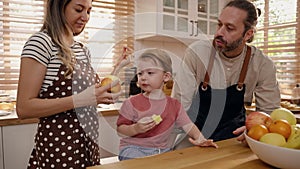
[[156, 118]]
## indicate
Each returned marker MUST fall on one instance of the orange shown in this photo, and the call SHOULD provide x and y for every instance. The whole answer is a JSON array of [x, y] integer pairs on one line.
[[257, 131], [282, 127]]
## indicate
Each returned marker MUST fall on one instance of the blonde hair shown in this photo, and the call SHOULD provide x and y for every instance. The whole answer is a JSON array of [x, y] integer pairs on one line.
[[56, 25], [159, 57]]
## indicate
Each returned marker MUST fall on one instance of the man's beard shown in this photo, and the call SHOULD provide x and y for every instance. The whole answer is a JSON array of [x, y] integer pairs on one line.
[[229, 46]]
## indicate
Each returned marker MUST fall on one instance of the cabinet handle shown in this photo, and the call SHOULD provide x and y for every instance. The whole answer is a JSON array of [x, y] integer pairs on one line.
[[197, 31], [192, 28]]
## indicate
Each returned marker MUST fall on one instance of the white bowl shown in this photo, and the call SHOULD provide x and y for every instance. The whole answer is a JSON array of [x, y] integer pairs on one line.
[[276, 156]]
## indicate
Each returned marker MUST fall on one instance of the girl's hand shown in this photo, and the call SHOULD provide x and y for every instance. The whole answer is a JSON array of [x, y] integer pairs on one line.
[[141, 127], [125, 59], [202, 142]]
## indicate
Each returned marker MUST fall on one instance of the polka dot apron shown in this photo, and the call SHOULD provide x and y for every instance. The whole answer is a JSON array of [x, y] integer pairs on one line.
[[68, 139]]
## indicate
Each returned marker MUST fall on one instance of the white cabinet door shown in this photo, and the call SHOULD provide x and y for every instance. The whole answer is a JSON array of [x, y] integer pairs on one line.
[[174, 18], [18, 142], [109, 139], [205, 16], [183, 20], [167, 18]]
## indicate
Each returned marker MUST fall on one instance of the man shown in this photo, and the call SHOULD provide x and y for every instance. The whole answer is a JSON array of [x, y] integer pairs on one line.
[[225, 77]]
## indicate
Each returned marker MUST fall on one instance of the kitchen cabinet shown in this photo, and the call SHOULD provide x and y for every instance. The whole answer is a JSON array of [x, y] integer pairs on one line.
[[109, 140], [17, 138], [18, 141], [184, 20]]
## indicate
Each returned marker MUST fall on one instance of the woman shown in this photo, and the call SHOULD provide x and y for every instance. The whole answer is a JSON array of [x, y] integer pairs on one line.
[[58, 85]]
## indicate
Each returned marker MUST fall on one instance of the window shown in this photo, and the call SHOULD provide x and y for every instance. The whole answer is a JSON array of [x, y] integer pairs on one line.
[[17, 23], [109, 30], [277, 35]]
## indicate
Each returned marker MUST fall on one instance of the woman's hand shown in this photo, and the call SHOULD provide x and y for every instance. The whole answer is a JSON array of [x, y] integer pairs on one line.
[[203, 142], [105, 97], [240, 132], [95, 95]]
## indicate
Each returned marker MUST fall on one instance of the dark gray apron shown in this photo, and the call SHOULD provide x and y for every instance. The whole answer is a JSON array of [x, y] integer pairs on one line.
[[221, 111]]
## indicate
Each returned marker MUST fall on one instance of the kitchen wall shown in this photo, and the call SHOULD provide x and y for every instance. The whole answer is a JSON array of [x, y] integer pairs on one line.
[[174, 47]]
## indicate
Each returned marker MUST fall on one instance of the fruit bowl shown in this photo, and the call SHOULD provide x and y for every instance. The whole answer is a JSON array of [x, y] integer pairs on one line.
[[276, 156]]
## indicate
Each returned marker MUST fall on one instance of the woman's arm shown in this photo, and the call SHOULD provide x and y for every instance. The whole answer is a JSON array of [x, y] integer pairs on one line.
[[30, 106], [30, 81]]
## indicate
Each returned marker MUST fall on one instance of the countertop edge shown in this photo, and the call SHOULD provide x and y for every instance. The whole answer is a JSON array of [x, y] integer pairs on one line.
[[16, 121]]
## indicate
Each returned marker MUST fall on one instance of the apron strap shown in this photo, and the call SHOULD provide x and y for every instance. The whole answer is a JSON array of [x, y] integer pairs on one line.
[[242, 74], [244, 68], [209, 67]]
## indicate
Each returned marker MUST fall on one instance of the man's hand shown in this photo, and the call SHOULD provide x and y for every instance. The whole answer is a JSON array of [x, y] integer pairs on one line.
[[240, 132]]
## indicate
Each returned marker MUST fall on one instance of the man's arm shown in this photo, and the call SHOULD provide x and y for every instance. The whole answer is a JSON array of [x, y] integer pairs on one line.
[[267, 93]]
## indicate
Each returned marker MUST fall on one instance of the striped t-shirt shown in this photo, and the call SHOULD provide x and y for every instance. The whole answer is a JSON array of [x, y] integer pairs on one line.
[[41, 48]]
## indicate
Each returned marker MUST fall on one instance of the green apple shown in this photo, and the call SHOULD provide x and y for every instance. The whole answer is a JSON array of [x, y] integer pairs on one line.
[[294, 139], [273, 139], [285, 114]]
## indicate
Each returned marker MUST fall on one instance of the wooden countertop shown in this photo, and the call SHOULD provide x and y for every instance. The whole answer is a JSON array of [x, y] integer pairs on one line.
[[104, 110], [230, 154], [12, 119]]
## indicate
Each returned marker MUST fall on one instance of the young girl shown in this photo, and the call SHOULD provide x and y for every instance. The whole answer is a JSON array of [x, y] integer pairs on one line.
[[141, 134]]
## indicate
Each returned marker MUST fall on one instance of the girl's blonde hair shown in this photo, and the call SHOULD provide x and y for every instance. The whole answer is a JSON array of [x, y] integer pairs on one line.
[[159, 57]]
